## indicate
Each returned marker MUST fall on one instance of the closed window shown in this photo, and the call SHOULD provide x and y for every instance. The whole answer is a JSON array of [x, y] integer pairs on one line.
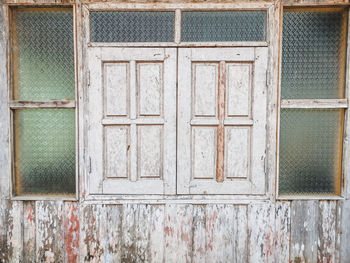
[[42, 102], [313, 101]]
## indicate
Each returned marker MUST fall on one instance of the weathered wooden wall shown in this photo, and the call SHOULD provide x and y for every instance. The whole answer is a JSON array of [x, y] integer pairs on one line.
[[57, 231], [170, 231]]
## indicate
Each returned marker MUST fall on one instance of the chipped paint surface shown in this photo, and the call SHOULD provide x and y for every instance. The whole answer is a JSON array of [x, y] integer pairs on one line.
[[56, 231]]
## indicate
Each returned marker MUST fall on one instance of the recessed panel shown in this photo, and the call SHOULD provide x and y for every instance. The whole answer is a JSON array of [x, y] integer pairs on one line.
[[150, 151], [238, 89], [117, 149], [205, 84], [204, 151], [237, 152], [116, 85], [150, 87]]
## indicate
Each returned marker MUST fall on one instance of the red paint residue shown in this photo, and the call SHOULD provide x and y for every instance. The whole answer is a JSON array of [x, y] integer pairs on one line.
[[30, 215], [72, 234]]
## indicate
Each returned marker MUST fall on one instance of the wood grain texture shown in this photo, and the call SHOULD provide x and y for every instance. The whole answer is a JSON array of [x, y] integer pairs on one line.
[[49, 231], [261, 218], [71, 231], [29, 231], [282, 232], [15, 237], [327, 231], [304, 228], [344, 231], [178, 233]]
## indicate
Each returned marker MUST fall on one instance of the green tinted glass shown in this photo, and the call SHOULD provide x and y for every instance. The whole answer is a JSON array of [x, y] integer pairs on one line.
[[310, 151], [313, 54], [43, 54], [44, 151]]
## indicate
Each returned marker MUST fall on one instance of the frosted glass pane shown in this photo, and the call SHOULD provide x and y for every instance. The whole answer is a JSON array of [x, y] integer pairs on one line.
[[44, 151], [43, 54], [223, 26], [132, 26], [310, 151], [313, 55]]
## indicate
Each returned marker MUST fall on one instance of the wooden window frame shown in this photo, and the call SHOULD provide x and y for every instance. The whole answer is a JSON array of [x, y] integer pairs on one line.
[[272, 12], [177, 9], [318, 104], [43, 104]]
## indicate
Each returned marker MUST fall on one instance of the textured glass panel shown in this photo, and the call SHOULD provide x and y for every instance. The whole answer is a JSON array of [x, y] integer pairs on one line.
[[132, 26], [313, 55], [43, 54], [223, 26], [310, 151], [44, 151]]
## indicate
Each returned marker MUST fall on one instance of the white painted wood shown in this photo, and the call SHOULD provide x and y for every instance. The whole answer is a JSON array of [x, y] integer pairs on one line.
[[237, 152], [238, 89], [181, 44], [18, 104], [178, 233], [205, 80], [15, 237], [117, 149], [204, 152], [132, 146], [197, 137], [150, 151], [116, 89], [261, 221], [156, 240], [150, 88], [282, 231], [315, 104]]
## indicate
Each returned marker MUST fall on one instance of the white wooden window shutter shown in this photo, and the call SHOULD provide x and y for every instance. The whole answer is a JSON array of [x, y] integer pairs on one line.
[[221, 120], [132, 128]]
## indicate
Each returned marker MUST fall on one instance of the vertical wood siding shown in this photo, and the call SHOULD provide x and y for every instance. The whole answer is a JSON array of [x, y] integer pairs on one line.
[[56, 231]]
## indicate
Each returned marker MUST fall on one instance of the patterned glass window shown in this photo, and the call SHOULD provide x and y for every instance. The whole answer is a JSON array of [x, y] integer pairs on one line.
[[116, 26], [223, 26], [43, 101], [313, 104]]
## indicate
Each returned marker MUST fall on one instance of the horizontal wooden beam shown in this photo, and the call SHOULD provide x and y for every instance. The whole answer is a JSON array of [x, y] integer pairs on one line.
[[21, 104], [315, 104], [123, 121]]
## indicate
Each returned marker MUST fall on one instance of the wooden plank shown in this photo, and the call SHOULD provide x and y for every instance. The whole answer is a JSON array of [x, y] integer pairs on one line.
[[344, 231], [178, 233], [5, 176], [142, 233], [114, 233], [49, 231], [220, 233], [313, 2], [4, 226], [92, 233], [183, 44], [303, 238], [261, 232], [282, 232], [240, 234], [71, 231], [156, 242], [315, 104], [221, 128], [29, 231], [327, 231], [128, 234], [15, 237], [20, 104], [199, 230]]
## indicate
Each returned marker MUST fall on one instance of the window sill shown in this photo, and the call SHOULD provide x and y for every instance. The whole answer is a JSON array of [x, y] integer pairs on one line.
[[309, 197], [45, 198]]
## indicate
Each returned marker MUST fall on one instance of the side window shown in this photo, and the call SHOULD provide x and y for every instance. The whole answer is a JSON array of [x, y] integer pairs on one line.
[[42, 102], [312, 101]]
